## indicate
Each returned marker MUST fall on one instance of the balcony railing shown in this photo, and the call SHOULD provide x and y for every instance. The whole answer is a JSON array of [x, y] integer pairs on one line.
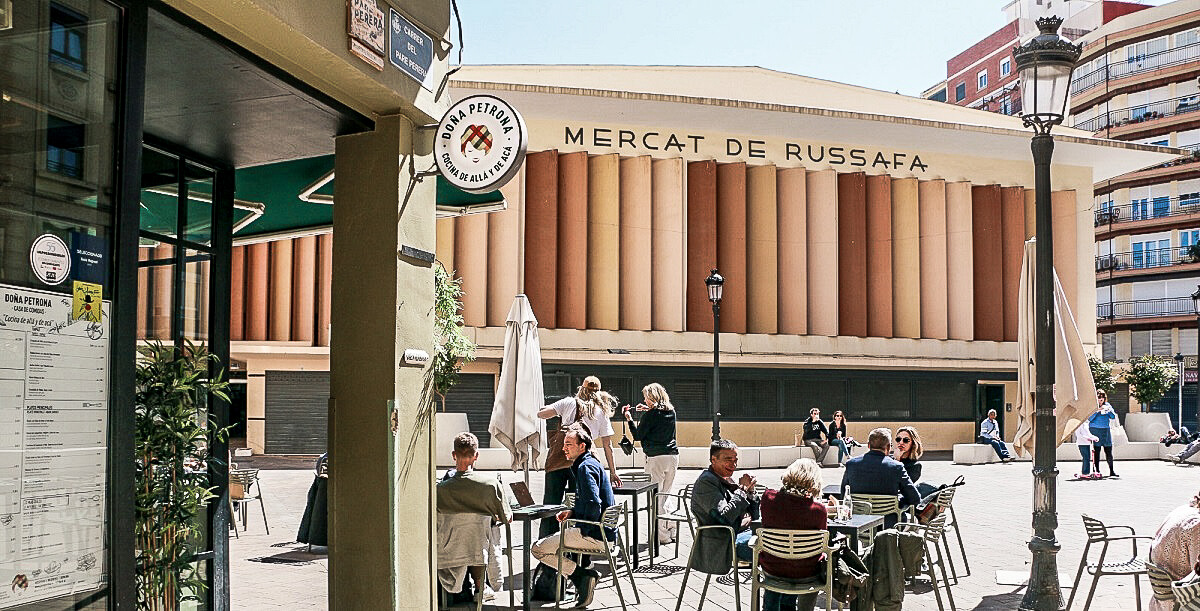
[[1145, 63], [1145, 308], [1160, 207], [1143, 259], [1144, 112]]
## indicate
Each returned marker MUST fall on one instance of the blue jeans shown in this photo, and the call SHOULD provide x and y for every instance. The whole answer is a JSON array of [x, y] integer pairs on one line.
[[741, 545], [774, 601], [997, 445], [843, 451], [1086, 453]]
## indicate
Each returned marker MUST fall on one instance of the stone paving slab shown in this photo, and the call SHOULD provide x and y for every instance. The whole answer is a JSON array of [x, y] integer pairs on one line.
[[994, 508]]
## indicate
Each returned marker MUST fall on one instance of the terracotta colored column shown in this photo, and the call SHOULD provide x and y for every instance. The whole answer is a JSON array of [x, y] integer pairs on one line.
[[1030, 213], [701, 241], [145, 325], [445, 243], [934, 319], [793, 251], [541, 235], [1012, 213], [324, 287], [237, 293], [572, 240], [988, 290], [731, 244], [162, 304], [604, 243], [762, 250], [470, 253], [504, 252], [852, 254], [960, 266], [635, 250], [822, 204], [258, 257], [281, 291], [906, 259], [667, 246], [304, 288], [203, 269], [879, 256], [1066, 262]]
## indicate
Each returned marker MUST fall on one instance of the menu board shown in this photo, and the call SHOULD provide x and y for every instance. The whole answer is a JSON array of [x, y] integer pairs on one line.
[[53, 446]]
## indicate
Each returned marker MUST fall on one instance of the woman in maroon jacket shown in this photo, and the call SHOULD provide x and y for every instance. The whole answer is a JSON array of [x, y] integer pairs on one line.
[[797, 506]]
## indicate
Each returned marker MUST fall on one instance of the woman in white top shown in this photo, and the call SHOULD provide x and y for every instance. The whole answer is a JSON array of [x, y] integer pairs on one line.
[[592, 408]]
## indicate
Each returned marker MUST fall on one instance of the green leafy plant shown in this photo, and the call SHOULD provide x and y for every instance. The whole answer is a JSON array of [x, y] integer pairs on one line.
[[452, 347], [1102, 374], [1150, 377], [171, 436], [1193, 252]]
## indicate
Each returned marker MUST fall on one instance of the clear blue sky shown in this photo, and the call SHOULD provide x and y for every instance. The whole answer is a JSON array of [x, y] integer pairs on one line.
[[893, 45]]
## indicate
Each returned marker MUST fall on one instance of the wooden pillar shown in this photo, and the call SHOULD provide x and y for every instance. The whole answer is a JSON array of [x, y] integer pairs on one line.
[[541, 236], [604, 243], [258, 257], [762, 250], [304, 289], [667, 246], [988, 289], [935, 323], [960, 264], [906, 259], [237, 293], [280, 291], [1012, 204], [822, 225]]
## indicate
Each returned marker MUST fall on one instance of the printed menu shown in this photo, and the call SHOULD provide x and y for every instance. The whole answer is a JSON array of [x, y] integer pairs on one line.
[[53, 446]]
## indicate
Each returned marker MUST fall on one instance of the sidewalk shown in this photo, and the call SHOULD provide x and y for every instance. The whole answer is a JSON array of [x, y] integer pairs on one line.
[[994, 507]]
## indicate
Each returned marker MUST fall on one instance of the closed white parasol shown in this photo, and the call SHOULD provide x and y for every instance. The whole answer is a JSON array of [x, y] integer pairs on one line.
[[515, 423]]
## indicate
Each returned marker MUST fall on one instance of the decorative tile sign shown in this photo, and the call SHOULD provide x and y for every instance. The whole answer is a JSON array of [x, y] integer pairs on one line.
[[364, 24]]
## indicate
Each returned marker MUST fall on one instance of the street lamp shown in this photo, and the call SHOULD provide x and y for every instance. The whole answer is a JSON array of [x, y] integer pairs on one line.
[[716, 283], [1179, 377], [1044, 65], [1196, 309]]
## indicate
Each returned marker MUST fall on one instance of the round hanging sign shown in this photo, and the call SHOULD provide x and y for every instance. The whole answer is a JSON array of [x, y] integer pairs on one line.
[[480, 143], [50, 259]]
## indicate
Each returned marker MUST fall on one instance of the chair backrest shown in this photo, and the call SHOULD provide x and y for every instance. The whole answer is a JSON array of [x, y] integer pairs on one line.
[[614, 516], [1096, 531], [792, 544], [944, 497], [1187, 593], [635, 476], [1160, 582], [687, 491], [881, 504], [245, 477], [569, 499]]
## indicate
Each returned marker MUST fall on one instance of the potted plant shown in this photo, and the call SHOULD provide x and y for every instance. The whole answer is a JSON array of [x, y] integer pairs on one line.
[[172, 429], [1193, 252], [452, 347], [1150, 377]]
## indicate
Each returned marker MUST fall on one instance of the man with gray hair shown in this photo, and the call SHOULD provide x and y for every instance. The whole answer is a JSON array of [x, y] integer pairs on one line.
[[876, 473]]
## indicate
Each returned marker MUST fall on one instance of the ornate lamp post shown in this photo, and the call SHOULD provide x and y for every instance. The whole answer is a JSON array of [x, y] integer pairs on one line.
[[715, 283], [1196, 309], [1179, 376], [1044, 65]]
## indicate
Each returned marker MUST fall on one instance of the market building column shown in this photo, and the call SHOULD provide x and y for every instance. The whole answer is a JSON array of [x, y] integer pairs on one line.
[[381, 521]]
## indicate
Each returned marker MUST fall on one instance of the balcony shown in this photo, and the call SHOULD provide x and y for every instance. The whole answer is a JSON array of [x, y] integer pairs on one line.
[[1143, 259], [1166, 307], [1136, 65], [1157, 208], [1142, 113]]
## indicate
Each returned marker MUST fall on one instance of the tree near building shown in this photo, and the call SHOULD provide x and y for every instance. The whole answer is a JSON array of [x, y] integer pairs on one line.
[[452, 347], [1102, 374], [1150, 377]]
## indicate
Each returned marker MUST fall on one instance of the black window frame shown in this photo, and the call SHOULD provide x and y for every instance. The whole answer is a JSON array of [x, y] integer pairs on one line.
[[65, 136], [960, 91], [74, 28]]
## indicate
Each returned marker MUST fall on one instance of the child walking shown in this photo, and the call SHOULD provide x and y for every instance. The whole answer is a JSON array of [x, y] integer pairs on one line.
[[1084, 439]]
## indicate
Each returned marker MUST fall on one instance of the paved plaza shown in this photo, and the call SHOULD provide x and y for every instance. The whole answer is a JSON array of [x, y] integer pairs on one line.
[[994, 508]]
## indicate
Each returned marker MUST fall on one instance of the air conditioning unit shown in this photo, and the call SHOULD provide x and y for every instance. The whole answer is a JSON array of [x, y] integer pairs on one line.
[[1106, 263]]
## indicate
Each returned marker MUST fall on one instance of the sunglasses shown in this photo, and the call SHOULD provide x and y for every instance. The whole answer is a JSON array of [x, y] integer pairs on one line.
[[903, 440]]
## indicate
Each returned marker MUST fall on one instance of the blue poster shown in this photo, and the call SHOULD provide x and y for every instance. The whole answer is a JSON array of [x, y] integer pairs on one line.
[[410, 49], [89, 258]]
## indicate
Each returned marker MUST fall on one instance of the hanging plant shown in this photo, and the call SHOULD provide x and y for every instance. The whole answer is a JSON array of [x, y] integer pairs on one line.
[[452, 347], [171, 436], [1102, 374], [1150, 377]]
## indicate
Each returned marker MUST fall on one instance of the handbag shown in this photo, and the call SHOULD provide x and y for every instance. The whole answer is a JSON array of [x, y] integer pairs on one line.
[[625, 443], [556, 459]]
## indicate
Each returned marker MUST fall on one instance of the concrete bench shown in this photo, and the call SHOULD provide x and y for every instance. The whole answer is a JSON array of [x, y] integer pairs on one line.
[[980, 454]]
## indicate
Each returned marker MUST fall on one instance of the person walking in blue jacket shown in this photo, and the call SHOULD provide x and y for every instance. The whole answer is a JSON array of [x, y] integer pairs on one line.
[[1100, 425]]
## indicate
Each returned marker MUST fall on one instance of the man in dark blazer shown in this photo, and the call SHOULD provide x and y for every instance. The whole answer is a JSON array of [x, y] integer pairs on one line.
[[876, 473], [717, 500]]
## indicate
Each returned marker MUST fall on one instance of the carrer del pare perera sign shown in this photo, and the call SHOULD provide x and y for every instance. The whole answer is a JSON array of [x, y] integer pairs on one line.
[[480, 143]]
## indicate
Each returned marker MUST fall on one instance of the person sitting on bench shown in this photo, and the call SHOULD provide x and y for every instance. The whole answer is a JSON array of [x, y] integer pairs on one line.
[[989, 433]]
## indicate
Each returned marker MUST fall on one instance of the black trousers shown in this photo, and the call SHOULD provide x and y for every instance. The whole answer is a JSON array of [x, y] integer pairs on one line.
[[557, 483]]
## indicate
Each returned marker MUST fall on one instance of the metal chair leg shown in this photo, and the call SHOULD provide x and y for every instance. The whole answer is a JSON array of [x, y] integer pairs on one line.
[[933, 579], [945, 580], [1095, 580], [612, 566], [1078, 575], [1137, 590], [950, 559], [961, 548], [264, 511], [637, 598], [683, 587], [558, 584]]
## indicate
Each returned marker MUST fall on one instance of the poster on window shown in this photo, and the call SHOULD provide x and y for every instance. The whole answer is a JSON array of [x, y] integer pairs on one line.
[[53, 445]]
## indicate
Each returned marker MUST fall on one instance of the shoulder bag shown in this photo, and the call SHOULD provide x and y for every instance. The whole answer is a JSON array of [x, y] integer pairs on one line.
[[556, 459]]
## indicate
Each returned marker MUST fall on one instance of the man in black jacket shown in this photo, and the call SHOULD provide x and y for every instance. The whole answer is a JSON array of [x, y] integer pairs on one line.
[[593, 494], [876, 473]]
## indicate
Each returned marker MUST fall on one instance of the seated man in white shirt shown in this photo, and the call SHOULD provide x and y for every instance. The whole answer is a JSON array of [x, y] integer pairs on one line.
[[989, 433]]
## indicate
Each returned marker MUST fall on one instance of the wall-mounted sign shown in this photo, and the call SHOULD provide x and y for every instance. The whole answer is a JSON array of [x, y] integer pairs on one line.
[[50, 259], [6, 10], [364, 24], [480, 143], [410, 49]]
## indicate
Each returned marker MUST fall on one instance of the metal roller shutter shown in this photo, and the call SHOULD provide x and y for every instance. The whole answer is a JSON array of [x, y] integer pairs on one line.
[[473, 396], [297, 412]]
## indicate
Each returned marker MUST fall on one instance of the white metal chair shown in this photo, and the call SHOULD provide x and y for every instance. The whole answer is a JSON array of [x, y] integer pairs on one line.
[[244, 486], [1160, 585], [932, 533], [737, 590], [1097, 533], [791, 545], [1187, 594], [613, 518], [682, 514], [945, 502]]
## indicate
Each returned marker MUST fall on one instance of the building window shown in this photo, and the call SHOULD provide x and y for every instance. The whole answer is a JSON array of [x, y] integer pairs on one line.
[[1108, 346], [982, 77], [68, 38], [1006, 106], [64, 147], [1186, 239], [1189, 37], [1189, 199], [960, 92], [1005, 67]]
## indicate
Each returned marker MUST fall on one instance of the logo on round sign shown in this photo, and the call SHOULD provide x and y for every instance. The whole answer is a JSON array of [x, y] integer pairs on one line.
[[480, 143], [50, 259]]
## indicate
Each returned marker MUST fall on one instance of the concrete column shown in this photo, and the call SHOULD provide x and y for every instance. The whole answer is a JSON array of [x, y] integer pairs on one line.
[[822, 229], [304, 288], [701, 242], [932, 196], [258, 257], [636, 217], [731, 244], [762, 250], [470, 254], [1012, 238], [604, 243], [324, 287], [540, 269], [960, 305], [571, 288], [281, 291], [445, 244], [879, 256], [1030, 213], [906, 259], [162, 304], [988, 272], [1066, 236], [381, 496], [793, 252], [852, 254], [667, 246], [504, 252], [237, 293]]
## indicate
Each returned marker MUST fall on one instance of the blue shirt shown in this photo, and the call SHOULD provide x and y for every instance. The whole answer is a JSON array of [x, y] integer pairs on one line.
[[1102, 419], [593, 494]]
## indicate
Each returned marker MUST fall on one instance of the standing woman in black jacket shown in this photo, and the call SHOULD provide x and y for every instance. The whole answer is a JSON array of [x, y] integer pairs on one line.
[[657, 434]]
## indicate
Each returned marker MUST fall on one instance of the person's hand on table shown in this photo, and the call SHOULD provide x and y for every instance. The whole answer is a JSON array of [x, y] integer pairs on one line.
[[564, 515], [616, 479]]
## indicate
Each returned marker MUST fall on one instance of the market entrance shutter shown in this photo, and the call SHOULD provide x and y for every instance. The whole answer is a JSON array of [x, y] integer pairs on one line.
[[297, 412], [473, 396]]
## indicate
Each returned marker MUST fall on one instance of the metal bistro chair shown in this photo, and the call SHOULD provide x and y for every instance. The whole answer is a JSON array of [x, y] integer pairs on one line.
[[933, 532], [244, 486], [634, 476], [1187, 594], [945, 502], [737, 590], [613, 517], [791, 545], [881, 504], [1160, 585], [1097, 532], [681, 515]]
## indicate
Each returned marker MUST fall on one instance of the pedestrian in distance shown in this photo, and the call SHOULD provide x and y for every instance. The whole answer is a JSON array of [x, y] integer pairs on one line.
[[1100, 425], [1084, 439], [839, 437], [816, 435]]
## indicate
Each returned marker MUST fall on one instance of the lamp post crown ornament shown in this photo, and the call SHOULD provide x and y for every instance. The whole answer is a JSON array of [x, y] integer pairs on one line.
[[1044, 65]]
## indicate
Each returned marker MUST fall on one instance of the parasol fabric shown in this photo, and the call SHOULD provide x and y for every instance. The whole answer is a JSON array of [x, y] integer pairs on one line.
[[515, 424]]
